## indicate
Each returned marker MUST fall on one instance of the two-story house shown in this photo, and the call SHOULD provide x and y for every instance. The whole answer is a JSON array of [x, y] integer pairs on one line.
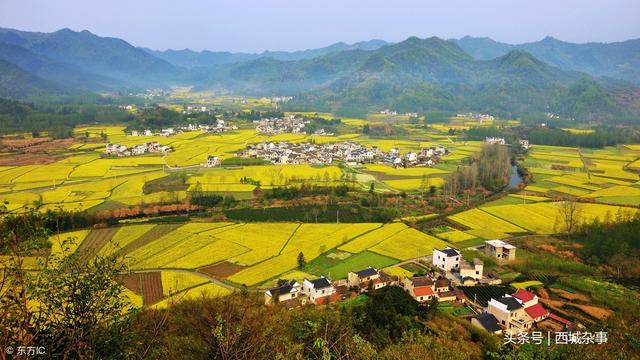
[[287, 291], [510, 314], [446, 259], [500, 250], [318, 288]]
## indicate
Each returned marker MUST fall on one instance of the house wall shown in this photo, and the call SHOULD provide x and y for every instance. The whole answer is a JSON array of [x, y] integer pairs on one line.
[[441, 261]]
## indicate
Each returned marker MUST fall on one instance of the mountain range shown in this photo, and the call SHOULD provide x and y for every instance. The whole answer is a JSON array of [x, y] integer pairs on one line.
[[585, 81]]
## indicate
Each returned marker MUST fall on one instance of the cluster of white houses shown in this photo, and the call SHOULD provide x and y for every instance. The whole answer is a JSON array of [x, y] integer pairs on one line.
[[481, 117], [324, 291], [349, 152], [289, 124], [219, 127], [150, 147], [501, 141], [453, 270], [391, 112], [513, 313]]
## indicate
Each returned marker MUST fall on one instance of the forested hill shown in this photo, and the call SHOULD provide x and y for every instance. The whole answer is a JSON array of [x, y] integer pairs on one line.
[[98, 59], [190, 59], [15, 82], [418, 75], [619, 60], [414, 75]]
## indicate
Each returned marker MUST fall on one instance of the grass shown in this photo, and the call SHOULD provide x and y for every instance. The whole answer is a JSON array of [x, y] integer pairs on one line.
[[526, 284], [414, 269], [335, 268]]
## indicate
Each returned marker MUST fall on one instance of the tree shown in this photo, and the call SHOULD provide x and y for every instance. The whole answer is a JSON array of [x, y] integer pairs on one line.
[[568, 218], [302, 262], [82, 311]]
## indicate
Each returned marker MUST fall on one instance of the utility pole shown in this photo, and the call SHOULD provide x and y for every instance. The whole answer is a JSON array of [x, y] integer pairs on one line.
[[338, 216]]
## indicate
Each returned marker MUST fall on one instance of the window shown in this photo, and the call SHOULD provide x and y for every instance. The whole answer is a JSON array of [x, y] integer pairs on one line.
[[477, 272], [502, 322]]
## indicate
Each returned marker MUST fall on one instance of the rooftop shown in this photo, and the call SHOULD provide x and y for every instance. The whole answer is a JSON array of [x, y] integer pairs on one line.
[[421, 281], [536, 311], [450, 252], [500, 243], [523, 295], [488, 321], [511, 302], [283, 289], [422, 291], [367, 272], [320, 283]]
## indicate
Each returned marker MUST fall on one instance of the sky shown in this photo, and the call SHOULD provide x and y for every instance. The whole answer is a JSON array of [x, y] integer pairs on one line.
[[255, 26]]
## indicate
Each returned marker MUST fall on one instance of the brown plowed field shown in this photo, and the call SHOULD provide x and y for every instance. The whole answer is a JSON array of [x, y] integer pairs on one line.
[[151, 288], [132, 282], [96, 239], [221, 270]]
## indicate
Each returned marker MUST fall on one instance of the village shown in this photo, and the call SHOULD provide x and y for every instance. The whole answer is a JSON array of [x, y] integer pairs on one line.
[[288, 125], [348, 152], [150, 147], [518, 312], [219, 127]]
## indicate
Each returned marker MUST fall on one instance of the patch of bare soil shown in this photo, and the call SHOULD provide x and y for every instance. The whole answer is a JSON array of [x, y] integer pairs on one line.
[[19, 159], [571, 296], [221, 270], [151, 288], [132, 282], [594, 311]]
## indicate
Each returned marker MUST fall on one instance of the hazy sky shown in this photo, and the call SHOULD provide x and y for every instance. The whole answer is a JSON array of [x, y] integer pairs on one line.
[[292, 25]]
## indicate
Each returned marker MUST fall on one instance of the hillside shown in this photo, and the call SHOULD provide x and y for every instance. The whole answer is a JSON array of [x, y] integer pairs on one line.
[[51, 70], [619, 60], [103, 57], [15, 82], [421, 75], [189, 59]]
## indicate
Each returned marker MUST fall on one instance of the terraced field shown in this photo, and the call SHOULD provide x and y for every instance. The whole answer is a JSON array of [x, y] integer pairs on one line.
[[250, 254], [117, 182], [538, 218], [605, 175]]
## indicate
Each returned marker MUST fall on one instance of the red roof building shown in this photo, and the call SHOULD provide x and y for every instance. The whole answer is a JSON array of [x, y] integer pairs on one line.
[[537, 312], [423, 291], [561, 320], [523, 295]]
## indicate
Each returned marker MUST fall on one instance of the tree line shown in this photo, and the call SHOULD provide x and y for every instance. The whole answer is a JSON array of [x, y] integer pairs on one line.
[[489, 170]]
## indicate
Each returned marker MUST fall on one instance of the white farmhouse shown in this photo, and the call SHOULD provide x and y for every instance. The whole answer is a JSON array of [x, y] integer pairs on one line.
[[286, 291], [446, 259], [318, 288]]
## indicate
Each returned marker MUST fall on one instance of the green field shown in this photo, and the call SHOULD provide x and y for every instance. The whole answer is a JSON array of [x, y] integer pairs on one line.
[[338, 267]]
